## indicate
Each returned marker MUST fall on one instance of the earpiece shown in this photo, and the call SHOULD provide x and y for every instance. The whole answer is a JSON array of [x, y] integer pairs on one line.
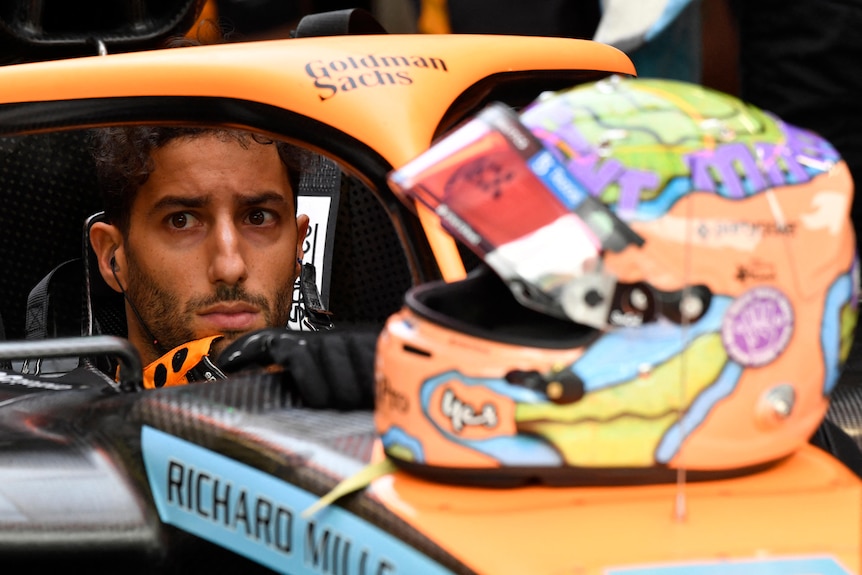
[[113, 263]]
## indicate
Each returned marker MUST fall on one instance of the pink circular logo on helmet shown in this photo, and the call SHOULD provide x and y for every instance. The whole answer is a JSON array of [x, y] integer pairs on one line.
[[757, 326]]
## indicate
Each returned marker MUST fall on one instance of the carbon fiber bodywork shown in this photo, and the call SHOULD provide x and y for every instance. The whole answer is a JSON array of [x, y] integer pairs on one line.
[[74, 485]]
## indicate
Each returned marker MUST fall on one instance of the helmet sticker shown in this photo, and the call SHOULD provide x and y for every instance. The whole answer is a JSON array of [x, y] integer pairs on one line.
[[757, 326]]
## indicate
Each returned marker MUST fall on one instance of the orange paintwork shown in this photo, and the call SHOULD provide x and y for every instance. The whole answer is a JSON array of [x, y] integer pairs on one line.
[[395, 114], [805, 506]]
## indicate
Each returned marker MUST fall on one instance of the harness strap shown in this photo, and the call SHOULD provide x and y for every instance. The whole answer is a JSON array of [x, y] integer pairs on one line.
[[40, 322]]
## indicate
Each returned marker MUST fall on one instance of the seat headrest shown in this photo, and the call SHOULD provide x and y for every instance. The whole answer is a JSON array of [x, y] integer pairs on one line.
[[32, 31]]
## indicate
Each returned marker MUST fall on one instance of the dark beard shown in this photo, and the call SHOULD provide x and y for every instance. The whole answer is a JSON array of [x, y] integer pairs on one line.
[[168, 320]]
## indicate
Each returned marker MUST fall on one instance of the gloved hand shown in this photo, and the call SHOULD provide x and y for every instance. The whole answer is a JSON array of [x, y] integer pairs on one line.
[[327, 369]]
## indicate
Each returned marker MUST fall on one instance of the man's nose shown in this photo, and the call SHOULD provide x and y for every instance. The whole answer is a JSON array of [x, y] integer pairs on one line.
[[227, 261]]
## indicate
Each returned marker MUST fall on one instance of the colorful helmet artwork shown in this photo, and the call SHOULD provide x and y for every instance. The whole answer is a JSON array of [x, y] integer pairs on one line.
[[668, 281]]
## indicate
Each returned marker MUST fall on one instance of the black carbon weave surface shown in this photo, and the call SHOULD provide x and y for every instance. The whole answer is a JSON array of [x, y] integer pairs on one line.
[[845, 405], [845, 409]]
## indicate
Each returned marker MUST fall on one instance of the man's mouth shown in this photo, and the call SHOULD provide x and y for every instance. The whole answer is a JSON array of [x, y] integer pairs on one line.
[[234, 316]]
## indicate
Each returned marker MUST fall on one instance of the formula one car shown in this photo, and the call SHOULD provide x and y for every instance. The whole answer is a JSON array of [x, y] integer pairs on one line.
[[98, 474]]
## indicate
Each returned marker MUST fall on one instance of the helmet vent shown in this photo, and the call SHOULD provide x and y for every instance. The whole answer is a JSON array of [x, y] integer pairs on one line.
[[417, 351]]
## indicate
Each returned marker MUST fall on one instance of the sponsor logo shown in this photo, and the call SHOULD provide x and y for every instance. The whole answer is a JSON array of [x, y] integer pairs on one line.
[[333, 77], [462, 415], [755, 271], [467, 409], [722, 228], [389, 397], [259, 516], [757, 326]]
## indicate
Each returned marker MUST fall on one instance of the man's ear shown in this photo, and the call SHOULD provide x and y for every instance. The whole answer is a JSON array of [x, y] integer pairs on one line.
[[107, 242]]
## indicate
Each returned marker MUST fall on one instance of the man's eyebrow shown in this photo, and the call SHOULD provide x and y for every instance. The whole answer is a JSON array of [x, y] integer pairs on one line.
[[261, 198], [188, 202], [173, 202]]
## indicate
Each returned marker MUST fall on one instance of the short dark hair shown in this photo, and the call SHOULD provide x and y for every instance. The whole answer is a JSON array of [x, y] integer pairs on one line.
[[123, 157]]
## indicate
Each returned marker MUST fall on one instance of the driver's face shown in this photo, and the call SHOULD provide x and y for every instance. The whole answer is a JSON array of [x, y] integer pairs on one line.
[[213, 243]]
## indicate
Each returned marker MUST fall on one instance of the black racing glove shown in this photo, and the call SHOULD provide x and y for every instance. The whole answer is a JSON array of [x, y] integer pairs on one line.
[[327, 369]]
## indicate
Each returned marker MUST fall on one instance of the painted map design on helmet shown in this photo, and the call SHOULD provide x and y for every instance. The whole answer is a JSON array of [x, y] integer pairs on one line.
[[641, 148]]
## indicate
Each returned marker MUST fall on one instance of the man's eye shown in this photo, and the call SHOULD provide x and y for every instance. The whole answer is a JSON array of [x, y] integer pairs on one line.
[[259, 217], [181, 220]]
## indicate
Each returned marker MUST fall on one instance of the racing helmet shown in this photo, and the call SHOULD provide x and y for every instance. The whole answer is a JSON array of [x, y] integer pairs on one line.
[[668, 281]]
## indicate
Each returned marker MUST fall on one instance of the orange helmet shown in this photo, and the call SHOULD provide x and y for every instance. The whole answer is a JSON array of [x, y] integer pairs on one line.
[[669, 282]]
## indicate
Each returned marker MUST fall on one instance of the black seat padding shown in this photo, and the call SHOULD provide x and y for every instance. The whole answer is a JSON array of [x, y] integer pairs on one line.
[[370, 274], [47, 188]]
